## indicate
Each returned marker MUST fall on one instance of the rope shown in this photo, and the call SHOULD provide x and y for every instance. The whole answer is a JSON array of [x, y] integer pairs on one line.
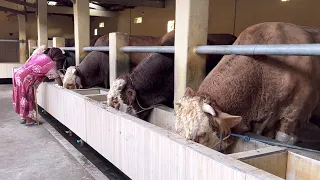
[[247, 139], [136, 98], [145, 109]]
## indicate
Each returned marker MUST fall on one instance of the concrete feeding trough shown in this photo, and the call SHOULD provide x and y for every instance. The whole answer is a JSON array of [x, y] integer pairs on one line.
[[92, 91], [96, 94], [152, 150], [282, 163]]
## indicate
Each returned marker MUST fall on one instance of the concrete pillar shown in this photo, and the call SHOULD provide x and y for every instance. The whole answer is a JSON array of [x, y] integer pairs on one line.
[[31, 43], [81, 28], [119, 63], [42, 22], [22, 36], [58, 42], [191, 31], [50, 43]]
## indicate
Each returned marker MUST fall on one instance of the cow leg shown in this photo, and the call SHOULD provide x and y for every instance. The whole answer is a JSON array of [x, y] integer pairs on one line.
[[271, 134], [287, 138], [295, 116]]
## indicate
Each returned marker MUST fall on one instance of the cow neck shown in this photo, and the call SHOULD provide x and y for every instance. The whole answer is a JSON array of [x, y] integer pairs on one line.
[[78, 70], [137, 106], [79, 74]]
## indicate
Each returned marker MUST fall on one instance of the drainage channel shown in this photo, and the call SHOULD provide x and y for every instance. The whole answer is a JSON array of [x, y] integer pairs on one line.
[[106, 167]]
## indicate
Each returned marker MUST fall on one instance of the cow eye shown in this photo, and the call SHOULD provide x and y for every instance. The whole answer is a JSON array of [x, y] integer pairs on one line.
[[202, 135]]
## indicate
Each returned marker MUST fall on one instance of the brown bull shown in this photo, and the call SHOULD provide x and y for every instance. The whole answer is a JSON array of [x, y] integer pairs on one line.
[[270, 95]]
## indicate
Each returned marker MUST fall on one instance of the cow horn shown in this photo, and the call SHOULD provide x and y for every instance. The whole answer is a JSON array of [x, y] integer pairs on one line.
[[208, 109]]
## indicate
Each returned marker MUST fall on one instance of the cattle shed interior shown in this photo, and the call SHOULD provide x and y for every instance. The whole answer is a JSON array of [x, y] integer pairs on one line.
[[82, 137]]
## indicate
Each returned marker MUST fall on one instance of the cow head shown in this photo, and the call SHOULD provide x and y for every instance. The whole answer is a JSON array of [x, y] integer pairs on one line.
[[121, 96], [197, 120], [71, 80]]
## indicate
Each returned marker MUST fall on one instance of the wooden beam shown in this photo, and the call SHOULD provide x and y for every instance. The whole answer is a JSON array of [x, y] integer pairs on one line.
[[13, 14], [42, 22], [81, 28], [98, 13], [11, 10], [67, 10], [25, 10], [157, 4], [24, 3], [95, 6], [119, 63], [22, 36], [58, 42], [31, 43], [191, 31]]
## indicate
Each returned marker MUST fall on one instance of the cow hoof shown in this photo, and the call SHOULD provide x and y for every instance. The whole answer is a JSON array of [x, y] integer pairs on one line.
[[285, 138]]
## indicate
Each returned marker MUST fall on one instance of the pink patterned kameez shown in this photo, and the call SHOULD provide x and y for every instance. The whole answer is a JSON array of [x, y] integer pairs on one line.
[[27, 77]]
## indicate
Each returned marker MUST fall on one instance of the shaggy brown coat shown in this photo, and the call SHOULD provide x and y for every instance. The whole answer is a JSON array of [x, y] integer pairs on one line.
[[280, 91]]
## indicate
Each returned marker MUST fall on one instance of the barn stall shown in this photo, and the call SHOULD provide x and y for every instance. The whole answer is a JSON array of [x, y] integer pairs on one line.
[[152, 150]]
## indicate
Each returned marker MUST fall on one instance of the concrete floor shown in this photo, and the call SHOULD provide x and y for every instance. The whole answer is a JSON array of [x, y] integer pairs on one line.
[[32, 152]]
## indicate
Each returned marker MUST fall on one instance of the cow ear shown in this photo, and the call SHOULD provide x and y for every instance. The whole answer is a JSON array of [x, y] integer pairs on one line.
[[75, 72], [131, 94], [189, 92], [227, 121]]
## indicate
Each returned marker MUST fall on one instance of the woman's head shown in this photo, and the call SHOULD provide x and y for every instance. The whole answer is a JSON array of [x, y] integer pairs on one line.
[[56, 55]]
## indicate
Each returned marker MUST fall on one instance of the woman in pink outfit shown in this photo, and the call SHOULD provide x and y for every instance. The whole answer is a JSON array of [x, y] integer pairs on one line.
[[30, 75]]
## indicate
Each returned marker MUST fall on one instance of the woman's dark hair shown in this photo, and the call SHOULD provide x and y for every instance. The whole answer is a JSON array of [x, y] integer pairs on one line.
[[56, 55]]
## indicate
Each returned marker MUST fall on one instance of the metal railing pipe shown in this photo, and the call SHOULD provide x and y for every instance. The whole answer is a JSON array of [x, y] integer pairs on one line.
[[96, 48], [269, 49], [148, 49], [68, 48], [63, 48], [12, 41]]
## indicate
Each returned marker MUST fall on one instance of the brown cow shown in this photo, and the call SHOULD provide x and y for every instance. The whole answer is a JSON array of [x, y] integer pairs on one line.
[[270, 95], [94, 69], [151, 83]]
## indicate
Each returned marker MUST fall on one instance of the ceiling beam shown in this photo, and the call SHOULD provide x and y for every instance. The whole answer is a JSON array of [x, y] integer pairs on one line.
[[97, 7], [68, 10], [147, 3], [11, 14], [11, 10], [24, 3]]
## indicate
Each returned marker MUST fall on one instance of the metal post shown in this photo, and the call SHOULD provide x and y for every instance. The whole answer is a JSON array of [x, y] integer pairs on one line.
[[119, 63], [58, 42], [42, 21], [81, 28], [191, 30]]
